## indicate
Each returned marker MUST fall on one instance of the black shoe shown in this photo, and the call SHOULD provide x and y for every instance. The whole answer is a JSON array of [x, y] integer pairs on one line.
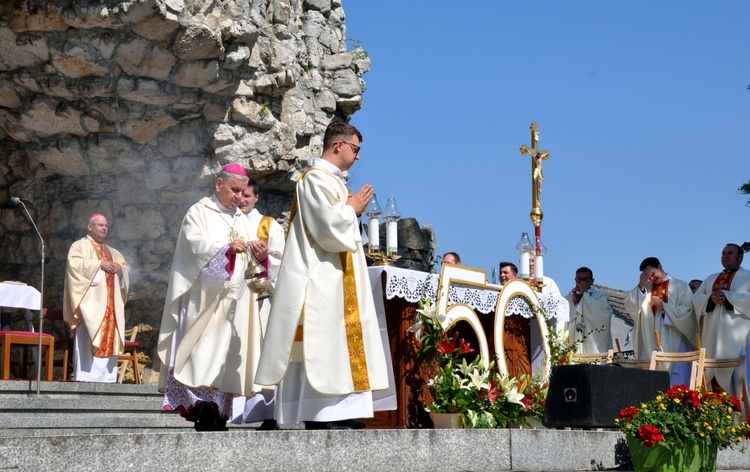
[[267, 425], [349, 424], [209, 418], [341, 424]]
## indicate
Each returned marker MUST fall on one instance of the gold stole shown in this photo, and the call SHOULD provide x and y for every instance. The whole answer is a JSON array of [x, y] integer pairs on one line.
[[264, 228], [108, 327], [723, 281], [352, 320]]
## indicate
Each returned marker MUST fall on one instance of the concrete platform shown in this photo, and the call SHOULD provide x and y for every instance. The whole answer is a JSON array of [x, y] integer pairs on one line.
[[84, 427]]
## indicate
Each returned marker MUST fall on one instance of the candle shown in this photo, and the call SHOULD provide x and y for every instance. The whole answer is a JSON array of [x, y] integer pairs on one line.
[[391, 237], [525, 265], [373, 232], [539, 268]]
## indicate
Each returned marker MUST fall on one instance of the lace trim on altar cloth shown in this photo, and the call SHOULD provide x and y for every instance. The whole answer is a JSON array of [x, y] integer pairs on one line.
[[216, 269], [484, 301], [179, 397], [554, 307], [411, 287]]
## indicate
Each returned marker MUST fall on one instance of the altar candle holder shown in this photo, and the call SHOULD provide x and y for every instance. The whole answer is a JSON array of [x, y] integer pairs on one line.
[[525, 248], [372, 213]]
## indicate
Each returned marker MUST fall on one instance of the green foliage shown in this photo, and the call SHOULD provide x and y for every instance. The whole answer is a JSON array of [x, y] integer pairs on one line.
[[680, 415], [356, 46], [745, 190], [484, 397], [264, 109]]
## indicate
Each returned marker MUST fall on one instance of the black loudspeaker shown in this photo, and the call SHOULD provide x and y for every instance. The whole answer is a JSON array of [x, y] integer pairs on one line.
[[592, 396]]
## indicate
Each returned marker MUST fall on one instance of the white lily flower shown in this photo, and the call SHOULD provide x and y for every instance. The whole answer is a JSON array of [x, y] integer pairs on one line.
[[429, 311], [479, 380], [416, 327], [514, 396]]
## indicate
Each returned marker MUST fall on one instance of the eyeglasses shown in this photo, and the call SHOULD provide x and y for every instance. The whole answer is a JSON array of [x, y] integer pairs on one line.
[[354, 147], [583, 279]]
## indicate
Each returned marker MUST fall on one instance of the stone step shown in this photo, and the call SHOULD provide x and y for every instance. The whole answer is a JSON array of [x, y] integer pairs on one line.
[[84, 406]]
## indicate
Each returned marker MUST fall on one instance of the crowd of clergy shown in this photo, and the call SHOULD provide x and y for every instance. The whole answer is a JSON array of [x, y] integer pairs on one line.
[[312, 351]]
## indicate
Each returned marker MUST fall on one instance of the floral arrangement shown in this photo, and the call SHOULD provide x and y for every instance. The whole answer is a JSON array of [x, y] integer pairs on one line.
[[534, 396], [560, 349], [484, 397], [681, 415]]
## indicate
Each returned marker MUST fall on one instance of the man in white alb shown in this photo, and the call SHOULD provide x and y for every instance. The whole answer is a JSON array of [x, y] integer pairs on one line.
[[323, 343]]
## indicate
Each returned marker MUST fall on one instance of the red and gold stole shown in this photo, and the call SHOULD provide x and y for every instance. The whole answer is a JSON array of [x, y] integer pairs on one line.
[[659, 291], [723, 281], [108, 327]]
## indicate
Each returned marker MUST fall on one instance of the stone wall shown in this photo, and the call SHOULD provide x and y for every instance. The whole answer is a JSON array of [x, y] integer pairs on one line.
[[129, 107]]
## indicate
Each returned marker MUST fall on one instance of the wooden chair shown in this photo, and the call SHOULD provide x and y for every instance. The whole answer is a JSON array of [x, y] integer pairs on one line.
[[129, 355], [25, 340], [696, 358], [594, 357], [735, 363]]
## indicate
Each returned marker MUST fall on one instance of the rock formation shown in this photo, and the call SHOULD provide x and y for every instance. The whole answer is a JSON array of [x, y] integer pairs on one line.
[[129, 107]]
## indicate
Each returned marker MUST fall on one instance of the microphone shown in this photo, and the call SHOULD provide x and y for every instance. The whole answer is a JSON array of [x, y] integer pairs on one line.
[[16, 201]]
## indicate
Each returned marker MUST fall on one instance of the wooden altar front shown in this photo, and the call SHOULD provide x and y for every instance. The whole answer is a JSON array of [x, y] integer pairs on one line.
[[397, 293]]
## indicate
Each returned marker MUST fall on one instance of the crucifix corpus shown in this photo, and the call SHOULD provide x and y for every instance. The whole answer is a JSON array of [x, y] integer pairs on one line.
[[537, 177]]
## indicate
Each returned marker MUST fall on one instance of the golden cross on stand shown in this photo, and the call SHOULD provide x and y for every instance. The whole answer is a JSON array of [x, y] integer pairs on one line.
[[537, 176]]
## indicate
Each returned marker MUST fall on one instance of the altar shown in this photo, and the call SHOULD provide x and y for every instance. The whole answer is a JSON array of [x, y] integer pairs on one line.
[[396, 293]]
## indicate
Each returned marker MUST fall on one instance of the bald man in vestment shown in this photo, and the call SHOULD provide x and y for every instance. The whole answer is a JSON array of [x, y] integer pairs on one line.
[[96, 288]]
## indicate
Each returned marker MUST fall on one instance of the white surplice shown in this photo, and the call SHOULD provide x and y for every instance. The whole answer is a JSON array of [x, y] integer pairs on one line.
[[723, 331], [318, 372], [261, 405], [676, 324], [591, 321]]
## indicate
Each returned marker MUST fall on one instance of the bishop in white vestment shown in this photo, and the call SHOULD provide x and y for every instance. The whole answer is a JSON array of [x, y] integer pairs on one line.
[[205, 330]]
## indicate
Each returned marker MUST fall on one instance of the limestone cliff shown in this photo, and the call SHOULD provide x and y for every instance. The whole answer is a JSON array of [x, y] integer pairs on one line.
[[129, 107]]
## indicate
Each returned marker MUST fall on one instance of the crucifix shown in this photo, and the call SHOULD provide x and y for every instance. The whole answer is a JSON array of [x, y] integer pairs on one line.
[[537, 177]]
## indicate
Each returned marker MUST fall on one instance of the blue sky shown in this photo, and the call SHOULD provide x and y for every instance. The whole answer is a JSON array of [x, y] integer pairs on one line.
[[642, 105]]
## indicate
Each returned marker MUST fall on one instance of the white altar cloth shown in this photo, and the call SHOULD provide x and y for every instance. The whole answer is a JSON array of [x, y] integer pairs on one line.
[[15, 295]]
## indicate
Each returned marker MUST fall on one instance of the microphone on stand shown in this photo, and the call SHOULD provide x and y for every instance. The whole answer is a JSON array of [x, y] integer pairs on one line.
[[16, 201]]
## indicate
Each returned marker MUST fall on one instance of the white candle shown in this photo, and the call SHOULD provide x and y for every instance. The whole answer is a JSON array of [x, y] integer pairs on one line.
[[525, 265], [391, 237], [539, 268], [373, 232]]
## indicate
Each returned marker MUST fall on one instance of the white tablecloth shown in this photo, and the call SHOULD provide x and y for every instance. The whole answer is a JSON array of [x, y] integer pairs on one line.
[[19, 296], [412, 285]]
